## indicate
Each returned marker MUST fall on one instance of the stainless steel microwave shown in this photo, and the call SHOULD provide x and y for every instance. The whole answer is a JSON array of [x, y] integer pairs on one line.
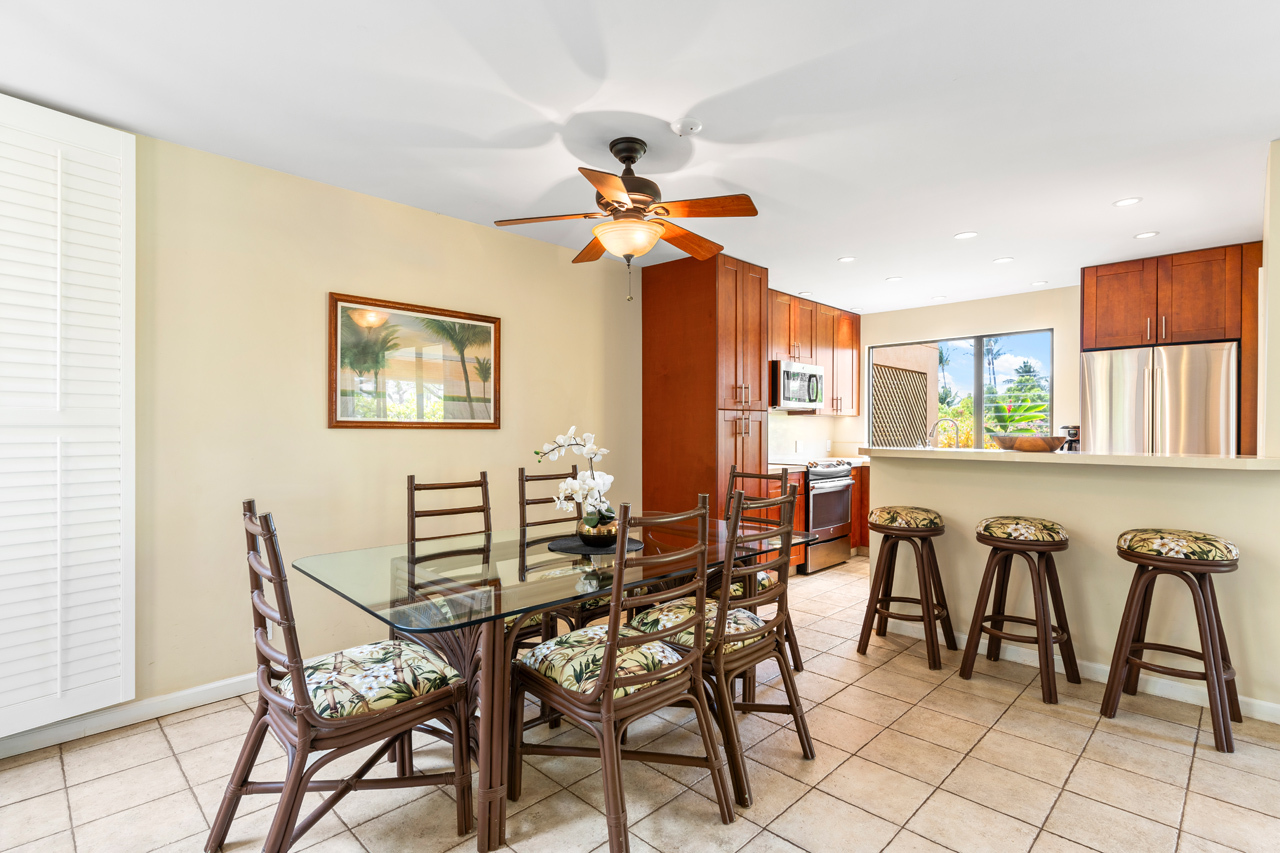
[[793, 385]]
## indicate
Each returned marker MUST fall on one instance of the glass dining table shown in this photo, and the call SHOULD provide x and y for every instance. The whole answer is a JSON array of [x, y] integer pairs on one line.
[[468, 596]]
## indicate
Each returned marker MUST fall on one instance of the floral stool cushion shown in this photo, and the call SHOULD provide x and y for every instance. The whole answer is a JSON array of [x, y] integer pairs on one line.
[[574, 660], [905, 516], [1183, 544], [1022, 528], [739, 621], [370, 678], [764, 580]]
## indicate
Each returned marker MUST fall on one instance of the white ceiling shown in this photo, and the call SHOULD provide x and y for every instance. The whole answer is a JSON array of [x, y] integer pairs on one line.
[[870, 129]]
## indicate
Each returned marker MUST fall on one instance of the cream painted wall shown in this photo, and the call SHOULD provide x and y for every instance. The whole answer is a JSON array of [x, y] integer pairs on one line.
[[234, 264], [1269, 358]]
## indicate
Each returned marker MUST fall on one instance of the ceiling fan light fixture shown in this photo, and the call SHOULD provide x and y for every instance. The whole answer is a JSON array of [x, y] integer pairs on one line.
[[628, 238]]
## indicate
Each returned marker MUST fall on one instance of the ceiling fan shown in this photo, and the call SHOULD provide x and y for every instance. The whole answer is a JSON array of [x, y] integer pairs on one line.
[[637, 216]]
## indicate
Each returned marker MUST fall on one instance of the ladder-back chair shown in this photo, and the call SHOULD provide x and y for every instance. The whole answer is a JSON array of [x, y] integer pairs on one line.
[[334, 705], [604, 677]]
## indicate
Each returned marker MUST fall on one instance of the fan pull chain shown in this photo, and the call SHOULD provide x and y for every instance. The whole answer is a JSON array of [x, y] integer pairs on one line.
[[630, 298]]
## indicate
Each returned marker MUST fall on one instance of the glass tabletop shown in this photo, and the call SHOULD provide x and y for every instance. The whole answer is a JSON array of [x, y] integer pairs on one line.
[[456, 581]]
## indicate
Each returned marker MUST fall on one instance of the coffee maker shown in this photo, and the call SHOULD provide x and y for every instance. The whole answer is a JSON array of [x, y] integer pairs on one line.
[[1073, 438]]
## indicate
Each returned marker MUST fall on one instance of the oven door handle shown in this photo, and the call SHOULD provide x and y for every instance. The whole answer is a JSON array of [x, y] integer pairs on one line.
[[830, 486]]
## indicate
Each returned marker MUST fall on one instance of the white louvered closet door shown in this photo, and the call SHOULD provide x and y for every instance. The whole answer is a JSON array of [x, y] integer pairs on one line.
[[66, 416]]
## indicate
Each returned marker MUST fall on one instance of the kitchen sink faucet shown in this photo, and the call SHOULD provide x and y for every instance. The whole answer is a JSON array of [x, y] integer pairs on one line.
[[955, 428]]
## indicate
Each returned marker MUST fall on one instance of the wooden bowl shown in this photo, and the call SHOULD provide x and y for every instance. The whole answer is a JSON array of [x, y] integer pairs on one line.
[[1030, 443]]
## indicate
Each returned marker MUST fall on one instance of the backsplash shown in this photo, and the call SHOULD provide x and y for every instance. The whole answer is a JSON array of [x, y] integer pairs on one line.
[[813, 435]]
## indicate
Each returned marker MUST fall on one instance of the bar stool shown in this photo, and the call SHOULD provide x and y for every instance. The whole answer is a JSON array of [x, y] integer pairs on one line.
[[1010, 535], [917, 527], [1194, 558]]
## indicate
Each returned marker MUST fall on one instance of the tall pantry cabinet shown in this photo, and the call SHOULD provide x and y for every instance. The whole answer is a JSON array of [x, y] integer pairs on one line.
[[706, 378]]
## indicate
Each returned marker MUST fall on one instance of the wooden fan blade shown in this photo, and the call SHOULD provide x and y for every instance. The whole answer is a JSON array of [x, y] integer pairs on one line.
[[609, 186], [686, 241], [721, 205], [593, 252], [505, 222]]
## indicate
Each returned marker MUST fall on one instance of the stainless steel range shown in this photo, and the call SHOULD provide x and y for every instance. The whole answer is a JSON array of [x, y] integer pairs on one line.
[[829, 512]]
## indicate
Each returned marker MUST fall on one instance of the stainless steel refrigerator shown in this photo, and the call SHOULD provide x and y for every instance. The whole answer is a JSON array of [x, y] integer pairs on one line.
[[1170, 399]]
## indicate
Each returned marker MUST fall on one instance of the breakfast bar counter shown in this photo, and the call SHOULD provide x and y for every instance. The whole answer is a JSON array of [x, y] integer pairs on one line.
[[1096, 498]]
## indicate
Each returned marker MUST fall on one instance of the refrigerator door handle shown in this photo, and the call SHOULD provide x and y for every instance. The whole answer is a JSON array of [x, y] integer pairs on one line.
[[1148, 328], [1158, 414]]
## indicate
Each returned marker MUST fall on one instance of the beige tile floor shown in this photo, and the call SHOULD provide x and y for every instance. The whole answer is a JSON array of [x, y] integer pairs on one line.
[[908, 761]]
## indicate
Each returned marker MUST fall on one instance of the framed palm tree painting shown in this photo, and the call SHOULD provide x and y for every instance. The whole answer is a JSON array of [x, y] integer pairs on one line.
[[392, 364]]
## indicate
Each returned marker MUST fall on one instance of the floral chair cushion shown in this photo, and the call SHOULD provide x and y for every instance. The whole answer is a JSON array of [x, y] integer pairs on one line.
[[739, 621], [370, 678], [574, 660], [1023, 528], [1183, 544], [764, 580], [905, 516]]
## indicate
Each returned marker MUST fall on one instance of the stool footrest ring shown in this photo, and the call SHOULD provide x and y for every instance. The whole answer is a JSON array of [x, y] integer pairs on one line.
[[882, 608], [1228, 673], [1058, 634]]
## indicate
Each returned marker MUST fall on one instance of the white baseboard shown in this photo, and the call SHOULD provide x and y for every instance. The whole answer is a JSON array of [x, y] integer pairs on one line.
[[125, 715], [1191, 692]]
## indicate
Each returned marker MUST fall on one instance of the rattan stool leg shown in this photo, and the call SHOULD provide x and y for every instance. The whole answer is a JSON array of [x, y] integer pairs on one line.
[[1215, 670], [1233, 695], [876, 592], [1044, 629], [886, 587], [1124, 636], [940, 597], [1003, 566], [928, 616], [1060, 619], [979, 612], [1139, 635]]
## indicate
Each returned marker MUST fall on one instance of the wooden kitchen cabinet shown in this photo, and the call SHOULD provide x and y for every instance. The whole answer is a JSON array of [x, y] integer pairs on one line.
[[1198, 296], [825, 356], [845, 383], [1118, 305], [742, 293], [705, 378], [792, 328], [742, 442]]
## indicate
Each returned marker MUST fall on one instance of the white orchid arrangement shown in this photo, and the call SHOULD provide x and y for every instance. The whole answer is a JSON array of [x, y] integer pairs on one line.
[[589, 488]]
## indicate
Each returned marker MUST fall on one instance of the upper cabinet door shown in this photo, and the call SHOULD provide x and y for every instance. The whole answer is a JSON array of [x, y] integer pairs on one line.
[[1199, 296], [848, 345], [825, 356], [753, 350], [728, 337], [804, 321], [780, 348], [1118, 305]]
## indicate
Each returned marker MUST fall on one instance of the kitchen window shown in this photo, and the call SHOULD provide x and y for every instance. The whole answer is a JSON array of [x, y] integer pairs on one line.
[[987, 385]]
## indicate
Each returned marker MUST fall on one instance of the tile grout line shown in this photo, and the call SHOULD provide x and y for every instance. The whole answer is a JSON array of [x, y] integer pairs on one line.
[[66, 791], [1191, 769], [1062, 789]]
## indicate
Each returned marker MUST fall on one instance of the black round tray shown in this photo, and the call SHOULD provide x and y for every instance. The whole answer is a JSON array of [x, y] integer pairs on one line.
[[574, 545]]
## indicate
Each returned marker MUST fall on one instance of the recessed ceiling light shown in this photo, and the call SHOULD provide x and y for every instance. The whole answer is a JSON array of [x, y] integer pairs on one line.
[[894, 278], [965, 235], [1039, 283], [805, 293], [1145, 234], [939, 299], [847, 259], [1002, 261], [857, 310], [1125, 202]]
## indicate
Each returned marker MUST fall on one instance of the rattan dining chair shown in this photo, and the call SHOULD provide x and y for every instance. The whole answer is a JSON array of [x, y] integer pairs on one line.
[[739, 480], [349, 700], [738, 640], [531, 632], [605, 677]]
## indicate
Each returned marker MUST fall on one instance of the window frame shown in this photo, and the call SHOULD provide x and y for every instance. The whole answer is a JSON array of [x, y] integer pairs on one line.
[[979, 384]]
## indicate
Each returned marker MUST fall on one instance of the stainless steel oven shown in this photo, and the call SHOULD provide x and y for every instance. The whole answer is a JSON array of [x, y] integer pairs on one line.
[[829, 513]]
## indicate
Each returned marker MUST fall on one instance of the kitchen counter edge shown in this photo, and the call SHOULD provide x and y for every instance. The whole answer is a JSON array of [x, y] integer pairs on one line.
[[1227, 463]]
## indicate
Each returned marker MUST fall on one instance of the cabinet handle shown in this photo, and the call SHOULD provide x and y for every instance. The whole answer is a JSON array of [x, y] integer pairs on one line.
[[1148, 328], [1163, 335], [746, 397]]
